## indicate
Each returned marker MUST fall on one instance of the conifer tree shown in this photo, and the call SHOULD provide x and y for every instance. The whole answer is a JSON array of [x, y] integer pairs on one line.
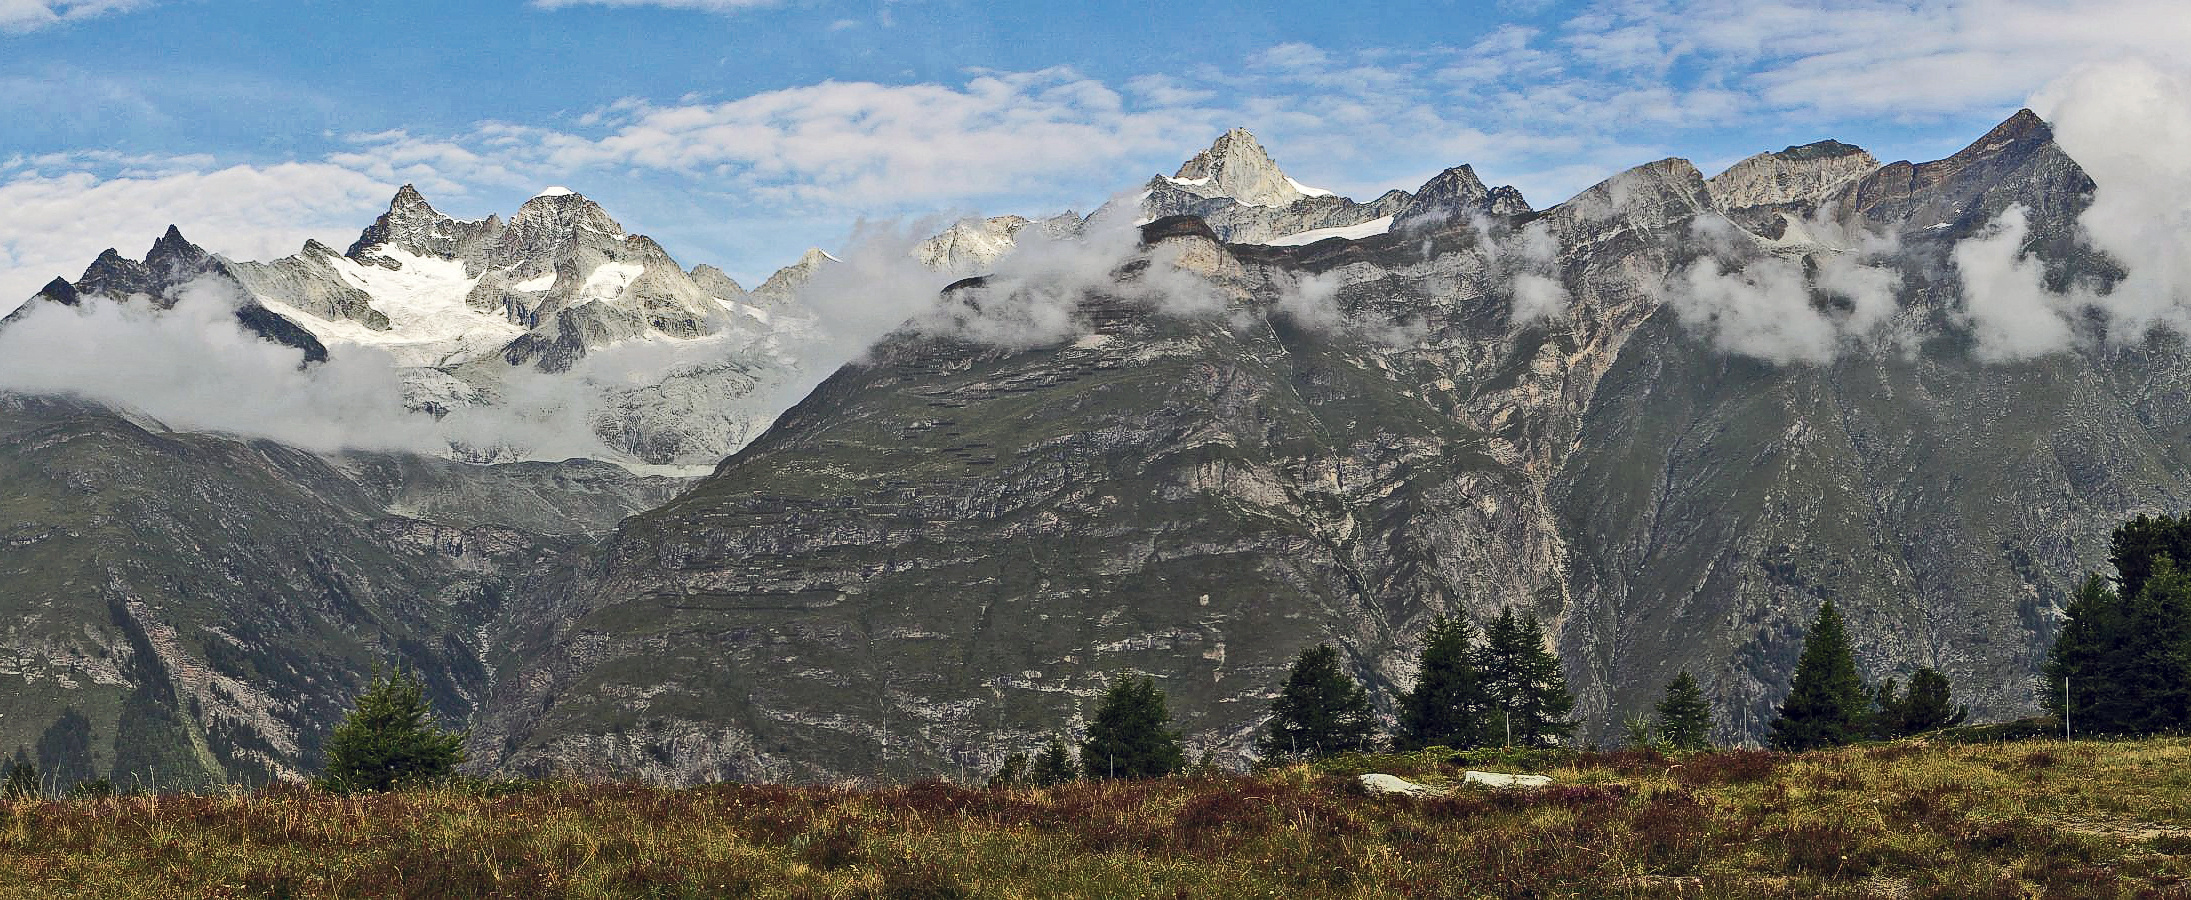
[[1929, 705], [1524, 684], [1054, 765], [1013, 773], [389, 741], [1446, 706], [1827, 704], [22, 781], [2147, 676], [1130, 737], [2079, 656], [1321, 711], [1684, 716]]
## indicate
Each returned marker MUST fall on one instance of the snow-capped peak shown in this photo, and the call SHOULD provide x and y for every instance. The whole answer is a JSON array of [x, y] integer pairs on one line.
[[555, 191]]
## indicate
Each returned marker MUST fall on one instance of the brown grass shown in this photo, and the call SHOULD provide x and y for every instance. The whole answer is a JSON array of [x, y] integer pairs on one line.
[[1907, 820]]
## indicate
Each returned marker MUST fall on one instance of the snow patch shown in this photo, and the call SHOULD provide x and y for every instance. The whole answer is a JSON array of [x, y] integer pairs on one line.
[[1370, 228], [557, 191], [609, 281], [1309, 191], [540, 283], [429, 323]]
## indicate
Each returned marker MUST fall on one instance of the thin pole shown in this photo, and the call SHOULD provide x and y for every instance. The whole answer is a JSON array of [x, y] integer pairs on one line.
[[2065, 707]]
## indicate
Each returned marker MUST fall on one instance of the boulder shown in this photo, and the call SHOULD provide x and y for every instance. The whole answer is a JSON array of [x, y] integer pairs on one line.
[[1393, 784], [1504, 780]]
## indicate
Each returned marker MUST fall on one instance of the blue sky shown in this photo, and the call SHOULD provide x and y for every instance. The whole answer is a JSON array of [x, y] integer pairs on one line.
[[740, 133]]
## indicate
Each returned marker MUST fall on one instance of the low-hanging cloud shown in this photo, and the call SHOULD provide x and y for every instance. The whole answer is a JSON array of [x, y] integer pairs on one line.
[[1785, 310], [2122, 122], [193, 368]]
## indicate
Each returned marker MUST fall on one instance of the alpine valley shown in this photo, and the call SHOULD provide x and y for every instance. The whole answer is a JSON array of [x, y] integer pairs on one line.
[[1221, 419]]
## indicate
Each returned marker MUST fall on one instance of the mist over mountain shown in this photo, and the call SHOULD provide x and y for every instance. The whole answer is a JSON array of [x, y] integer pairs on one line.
[[913, 502]]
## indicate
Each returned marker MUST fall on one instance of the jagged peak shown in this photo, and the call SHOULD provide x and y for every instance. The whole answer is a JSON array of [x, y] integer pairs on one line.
[[1236, 166], [2023, 126]]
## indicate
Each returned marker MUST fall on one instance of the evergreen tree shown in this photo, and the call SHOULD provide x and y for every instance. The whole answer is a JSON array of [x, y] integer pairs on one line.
[[389, 741], [2146, 679], [1929, 705], [1446, 706], [64, 748], [1013, 773], [22, 782], [2138, 546], [1054, 765], [1524, 684], [1320, 712], [1827, 704], [1888, 708], [2080, 651], [1129, 737], [1684, 716]]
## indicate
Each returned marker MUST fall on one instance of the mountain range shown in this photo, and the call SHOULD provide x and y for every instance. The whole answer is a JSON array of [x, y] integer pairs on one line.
[[1215, 422]]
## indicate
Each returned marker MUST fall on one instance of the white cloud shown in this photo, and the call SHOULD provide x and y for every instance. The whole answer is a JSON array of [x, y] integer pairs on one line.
[[874, 146], [2005, 301], [2127, 123], [237, 383], [59, 220], [18, 16]]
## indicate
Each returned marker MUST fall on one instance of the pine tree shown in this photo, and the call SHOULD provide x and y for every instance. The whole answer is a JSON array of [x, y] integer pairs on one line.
[[1525, 684], [1013, 773], [2081, 648], [2147, 675], [1446, 706], [64, 748], [1321, 711], [1929, 705], [1128, 737], [1827, 704], [1684, 716], [2138, 545], [389, 741], [1054, 765], [22, 781]]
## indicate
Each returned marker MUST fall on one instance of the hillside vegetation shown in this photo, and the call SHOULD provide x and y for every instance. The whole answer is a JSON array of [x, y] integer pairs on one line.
[[1909, 819]]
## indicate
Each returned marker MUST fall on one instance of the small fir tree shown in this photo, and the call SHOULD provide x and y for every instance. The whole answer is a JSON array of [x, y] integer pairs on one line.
[[2147, 676], [389, 741], [1827, 704], [2079, 657], [1013, 773], [1525, 685], [22, 781], [1446, 706], [1639, 733], [1929, 705], [1129, 737], [1054, 765], [1684, 716], [1321, 711]]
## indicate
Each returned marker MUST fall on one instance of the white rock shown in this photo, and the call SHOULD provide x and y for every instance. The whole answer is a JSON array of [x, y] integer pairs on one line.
[[1392, 784], [1504, 780]]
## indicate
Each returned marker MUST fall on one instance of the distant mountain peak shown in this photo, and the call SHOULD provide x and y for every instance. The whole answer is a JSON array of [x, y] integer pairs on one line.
[[1236, 166]]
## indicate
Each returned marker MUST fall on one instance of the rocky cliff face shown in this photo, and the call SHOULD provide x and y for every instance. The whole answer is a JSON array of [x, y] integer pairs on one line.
[[212, 606], [941, 554]]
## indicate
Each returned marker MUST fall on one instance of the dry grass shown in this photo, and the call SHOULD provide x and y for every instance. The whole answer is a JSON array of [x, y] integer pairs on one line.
[[1902, 820]]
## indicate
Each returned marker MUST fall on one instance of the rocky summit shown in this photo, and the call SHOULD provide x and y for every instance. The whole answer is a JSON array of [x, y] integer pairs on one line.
[[1669, 416]]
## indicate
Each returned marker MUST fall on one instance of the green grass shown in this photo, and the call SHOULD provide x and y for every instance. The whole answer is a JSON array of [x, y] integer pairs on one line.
[[1900, 820]]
